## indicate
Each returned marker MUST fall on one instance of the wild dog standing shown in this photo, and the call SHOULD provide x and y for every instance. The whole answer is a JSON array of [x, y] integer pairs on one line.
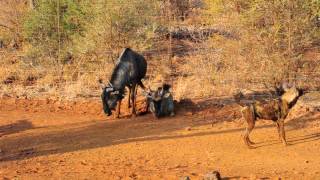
[[275, 110]]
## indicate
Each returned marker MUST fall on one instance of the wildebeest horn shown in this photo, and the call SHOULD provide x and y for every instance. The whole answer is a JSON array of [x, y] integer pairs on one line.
[[102, 85], [109, 89], [115, 92], [109, 83]]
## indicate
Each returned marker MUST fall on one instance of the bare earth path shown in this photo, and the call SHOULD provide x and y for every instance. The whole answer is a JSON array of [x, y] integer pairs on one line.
[[53, 145]]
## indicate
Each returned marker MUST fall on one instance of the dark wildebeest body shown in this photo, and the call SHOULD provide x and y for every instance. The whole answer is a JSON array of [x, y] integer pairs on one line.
[[160, 102], [128, 72], [275, 110]]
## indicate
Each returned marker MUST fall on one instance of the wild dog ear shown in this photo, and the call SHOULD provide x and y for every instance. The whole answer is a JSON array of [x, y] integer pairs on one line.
[[290, 95], [238, 93], [166, 87], [287, 86], [150, 91]]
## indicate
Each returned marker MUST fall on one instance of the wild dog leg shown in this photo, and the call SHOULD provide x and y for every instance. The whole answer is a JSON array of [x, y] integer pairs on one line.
[[249, 129], [248, 115], [282, 131], [278, 128]]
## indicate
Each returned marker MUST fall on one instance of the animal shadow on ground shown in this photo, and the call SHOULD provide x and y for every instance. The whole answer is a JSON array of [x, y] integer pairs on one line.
[[295, 124], [228, 178], [198, 105], [16, 127], [97, 133]]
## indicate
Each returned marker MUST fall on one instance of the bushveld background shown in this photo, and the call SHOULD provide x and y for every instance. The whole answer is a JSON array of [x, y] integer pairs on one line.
[[52, 53], [204, 48]]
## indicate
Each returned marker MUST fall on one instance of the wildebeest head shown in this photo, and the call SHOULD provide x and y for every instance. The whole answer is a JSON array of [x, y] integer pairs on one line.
[[109, 97]]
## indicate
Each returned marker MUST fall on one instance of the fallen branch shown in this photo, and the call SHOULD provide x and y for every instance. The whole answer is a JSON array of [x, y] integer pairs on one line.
[[7, 27]]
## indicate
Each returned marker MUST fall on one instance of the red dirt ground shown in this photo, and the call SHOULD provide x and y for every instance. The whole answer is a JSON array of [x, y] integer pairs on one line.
[[47, 139]]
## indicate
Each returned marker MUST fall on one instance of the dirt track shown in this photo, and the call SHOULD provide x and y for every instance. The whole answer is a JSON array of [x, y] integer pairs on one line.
[[63, 145]]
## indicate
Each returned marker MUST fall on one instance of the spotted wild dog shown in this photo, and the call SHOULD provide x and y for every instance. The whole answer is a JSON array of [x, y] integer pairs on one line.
[[275, 110]]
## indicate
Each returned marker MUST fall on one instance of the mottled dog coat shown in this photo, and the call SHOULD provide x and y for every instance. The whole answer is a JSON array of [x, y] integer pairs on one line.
[[160, 102], [275, 110]]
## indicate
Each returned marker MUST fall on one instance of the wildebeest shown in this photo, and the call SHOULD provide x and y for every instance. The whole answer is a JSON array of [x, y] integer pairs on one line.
[[128, 72], [275, 110], [160, 102]]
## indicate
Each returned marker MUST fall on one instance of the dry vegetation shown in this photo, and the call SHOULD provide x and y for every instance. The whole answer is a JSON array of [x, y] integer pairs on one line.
[[62, 52], [52, 53]]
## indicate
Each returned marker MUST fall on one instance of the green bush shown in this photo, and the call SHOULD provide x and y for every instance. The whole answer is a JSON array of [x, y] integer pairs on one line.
[[52, 26]]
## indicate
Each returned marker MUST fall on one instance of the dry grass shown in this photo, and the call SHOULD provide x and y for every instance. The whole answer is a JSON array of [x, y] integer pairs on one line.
[[218, 68]]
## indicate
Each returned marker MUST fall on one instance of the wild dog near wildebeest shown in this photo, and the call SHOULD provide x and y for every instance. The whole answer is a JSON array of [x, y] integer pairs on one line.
[[128, 72], [275, 110], [160, 102]]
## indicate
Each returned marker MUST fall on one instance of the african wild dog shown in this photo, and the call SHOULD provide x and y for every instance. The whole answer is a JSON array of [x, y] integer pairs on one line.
[[275, 110], [160, 102]]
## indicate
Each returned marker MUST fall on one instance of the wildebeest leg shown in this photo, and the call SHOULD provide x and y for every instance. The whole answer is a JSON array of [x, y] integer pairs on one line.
[[248, 115], [141, 85], [133, 99], [129, 105], [278, 128], [118, 109], [282, 132]]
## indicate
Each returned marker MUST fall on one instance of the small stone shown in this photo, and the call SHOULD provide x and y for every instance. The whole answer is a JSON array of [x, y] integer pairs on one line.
[[188, 128], [253, 177], [215, 175], [185, 178], [306, 161], [83, 162]]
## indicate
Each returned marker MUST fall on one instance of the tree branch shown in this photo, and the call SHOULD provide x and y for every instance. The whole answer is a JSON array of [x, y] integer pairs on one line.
[[7, 27]]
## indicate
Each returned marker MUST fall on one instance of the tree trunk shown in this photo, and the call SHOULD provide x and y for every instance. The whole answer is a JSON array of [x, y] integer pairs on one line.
[[31, 4]]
